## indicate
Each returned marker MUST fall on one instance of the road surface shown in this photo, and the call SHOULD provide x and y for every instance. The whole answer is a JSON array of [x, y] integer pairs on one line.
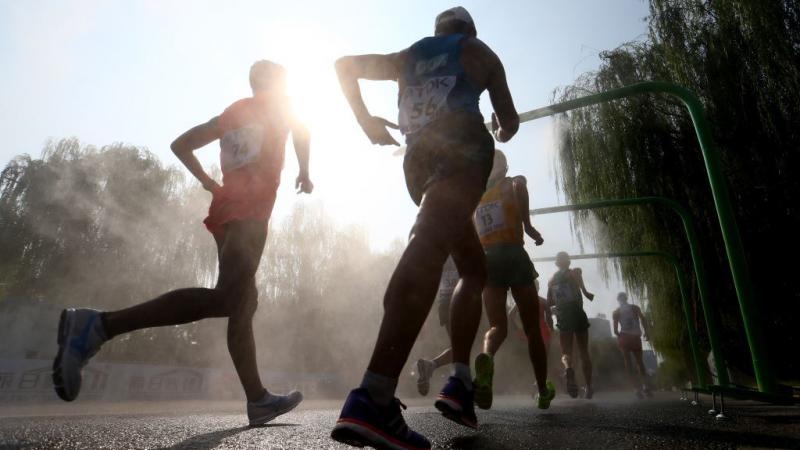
[[610, 421]]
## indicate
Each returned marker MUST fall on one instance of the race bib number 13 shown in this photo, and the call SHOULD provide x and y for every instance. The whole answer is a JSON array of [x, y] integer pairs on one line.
[[240, 147], [489, 218], [420, 105]]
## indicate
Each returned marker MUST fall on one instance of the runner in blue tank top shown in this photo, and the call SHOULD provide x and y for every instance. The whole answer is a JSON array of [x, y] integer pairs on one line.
[[447, 163]]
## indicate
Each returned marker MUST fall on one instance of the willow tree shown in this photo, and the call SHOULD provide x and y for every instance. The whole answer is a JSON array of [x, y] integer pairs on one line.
[[742, 57]]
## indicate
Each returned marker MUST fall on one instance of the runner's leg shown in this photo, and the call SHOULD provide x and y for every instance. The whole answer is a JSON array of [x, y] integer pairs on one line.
[[446, 206], [565, 338], [446, 357], [494, 300], [642, 372], [527, 302], [240, 256], [582, 337], [179, 306]]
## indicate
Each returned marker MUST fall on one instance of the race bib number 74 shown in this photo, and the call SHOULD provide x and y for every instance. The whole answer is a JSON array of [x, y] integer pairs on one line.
[[240, 147], [420, 105]]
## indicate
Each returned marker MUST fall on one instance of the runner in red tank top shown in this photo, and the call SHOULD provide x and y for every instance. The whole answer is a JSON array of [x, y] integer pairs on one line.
[[252, 134]]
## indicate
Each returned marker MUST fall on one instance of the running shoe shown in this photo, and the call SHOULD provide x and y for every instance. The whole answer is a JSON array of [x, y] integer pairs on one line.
[[639, 394], [271, 406], [456, 403], [425, 370], [80, 336], [484, 372], [364, 423], [572, 386], [543, 401], [647, 391], [588, 392]]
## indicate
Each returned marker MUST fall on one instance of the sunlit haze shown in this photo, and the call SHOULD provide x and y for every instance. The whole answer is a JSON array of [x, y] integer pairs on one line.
[[144, 72]]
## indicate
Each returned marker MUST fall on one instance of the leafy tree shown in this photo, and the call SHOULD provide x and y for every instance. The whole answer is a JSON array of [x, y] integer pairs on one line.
[[742, 57]]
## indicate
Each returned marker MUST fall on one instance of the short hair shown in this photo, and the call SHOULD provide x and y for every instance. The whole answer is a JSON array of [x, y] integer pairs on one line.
[[266, 75]]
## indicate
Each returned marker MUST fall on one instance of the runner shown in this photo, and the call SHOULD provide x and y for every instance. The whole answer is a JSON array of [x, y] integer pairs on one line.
[[500, 219], [628, 324], [426, 367], [564, 296], [447, 163], [252, 133]]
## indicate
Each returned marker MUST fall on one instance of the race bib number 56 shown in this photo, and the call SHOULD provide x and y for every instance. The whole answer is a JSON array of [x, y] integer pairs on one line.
[[420, 105], [240, 147], [489, 218]]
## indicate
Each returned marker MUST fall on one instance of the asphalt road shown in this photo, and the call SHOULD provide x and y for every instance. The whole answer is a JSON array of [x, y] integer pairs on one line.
[[609, 421]]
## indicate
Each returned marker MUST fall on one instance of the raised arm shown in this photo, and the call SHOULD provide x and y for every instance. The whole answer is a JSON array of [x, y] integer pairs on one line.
[[350, 69], [193, 139], [519, 184]]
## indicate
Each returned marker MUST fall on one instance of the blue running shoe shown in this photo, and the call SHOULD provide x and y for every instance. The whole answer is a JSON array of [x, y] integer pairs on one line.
[[80, 335], [363, 423], [456, 403]]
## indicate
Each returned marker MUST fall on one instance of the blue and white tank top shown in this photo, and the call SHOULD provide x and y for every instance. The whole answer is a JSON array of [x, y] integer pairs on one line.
[[435, 83]]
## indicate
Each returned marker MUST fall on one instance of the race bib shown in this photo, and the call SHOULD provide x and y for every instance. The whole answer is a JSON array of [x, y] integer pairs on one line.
[[420, 105], [489, 218], [241, 147]]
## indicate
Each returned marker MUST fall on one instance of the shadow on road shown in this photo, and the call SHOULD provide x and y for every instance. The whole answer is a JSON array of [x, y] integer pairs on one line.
[[215, 438]]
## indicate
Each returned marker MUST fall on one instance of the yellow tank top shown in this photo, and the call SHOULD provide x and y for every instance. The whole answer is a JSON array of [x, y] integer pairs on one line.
[[497, 217]]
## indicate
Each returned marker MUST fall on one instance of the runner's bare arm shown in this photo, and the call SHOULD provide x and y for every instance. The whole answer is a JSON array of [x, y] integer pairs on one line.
[[350, 69], [301, 138], [577, 273], [193, 139], [615, 316], [505, 120], [519, 184], [644, 322]]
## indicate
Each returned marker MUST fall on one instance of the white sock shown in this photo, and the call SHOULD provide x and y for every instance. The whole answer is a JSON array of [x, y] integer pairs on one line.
[[462, 372]]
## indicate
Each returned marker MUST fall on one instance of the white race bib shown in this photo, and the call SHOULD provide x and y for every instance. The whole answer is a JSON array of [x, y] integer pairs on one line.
[[241, 146], [420, 105], [489, 218]]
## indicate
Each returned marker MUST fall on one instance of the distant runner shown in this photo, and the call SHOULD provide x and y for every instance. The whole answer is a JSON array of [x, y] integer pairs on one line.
[[426, 367], [447, 163], [564, 297], [628, 324], [252, 134], [501, 218]]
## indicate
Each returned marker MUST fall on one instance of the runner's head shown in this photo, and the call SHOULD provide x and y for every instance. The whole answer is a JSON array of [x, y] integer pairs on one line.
[[499, 167], [455, 21], [266, 76], [622, 298], [562, 260]]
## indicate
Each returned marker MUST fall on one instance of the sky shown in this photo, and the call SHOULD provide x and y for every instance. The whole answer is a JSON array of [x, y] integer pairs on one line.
[[143, 72]]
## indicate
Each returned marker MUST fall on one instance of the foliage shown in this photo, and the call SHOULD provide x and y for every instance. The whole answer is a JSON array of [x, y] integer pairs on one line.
[[743, 59]]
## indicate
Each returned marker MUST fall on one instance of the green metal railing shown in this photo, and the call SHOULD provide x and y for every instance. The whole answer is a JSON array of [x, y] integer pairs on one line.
[[697, 260], [730, 231], [697, 357]]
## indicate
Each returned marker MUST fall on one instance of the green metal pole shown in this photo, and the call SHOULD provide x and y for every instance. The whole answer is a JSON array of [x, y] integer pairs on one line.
[[697, 358], [698, 262], [730, 231]]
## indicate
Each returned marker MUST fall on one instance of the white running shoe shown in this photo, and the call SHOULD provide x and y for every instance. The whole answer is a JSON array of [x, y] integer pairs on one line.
[[271, 406], [80, 336], [425, 370]]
